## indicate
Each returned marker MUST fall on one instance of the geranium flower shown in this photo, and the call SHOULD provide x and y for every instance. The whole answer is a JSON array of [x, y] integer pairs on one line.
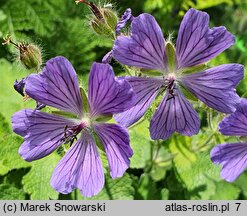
[[196, 44], [232, 156], [57, 86]]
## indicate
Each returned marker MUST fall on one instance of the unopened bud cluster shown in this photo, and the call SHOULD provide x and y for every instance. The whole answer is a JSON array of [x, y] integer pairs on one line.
[[30, 54], [103, 20]]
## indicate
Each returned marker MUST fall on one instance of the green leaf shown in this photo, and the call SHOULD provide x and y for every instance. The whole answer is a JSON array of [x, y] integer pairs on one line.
[[3, 169], [19, 13], [4, 126], [162, 161], [10, 100], [37, 181], [9, 156], [10, 192], [195, 171], [147, 188], [9, 145], [10, 187], [241, 183], [184, 157], [226, 191], [114, 189], [140, 143], [164, 194]]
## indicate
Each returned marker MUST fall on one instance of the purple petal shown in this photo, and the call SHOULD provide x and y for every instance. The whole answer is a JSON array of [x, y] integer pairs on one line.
[[146, 89], [145, 48], [232, 157], [106, 94], [122, 22], [80, 168], [42, 132], [236, 123], [19, 86], [107, 58], [115, 140], [174, 113], [197, 43], [56, 86], [216, 86]]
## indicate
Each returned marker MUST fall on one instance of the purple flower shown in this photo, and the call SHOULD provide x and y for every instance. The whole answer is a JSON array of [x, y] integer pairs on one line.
[[57, 86], [232, 156], [196, 44]]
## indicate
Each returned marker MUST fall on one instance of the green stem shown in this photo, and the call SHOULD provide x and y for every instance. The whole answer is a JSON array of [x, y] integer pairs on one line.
[[209, 119]]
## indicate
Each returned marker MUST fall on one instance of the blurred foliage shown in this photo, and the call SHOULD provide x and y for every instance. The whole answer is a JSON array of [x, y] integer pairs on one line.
[[178, 168]]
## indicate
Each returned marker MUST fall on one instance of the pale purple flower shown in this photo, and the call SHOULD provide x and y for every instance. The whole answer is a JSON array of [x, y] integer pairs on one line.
[[196, 44], [57, 86], [232, 156]]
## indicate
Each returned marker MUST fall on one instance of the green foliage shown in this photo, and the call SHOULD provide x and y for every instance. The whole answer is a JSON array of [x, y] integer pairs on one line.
[[37, 181], [178, 168], [10, 192], [116, 189], [18, 14], [140, 145], [10, 100], [9, 152], [225, 191]]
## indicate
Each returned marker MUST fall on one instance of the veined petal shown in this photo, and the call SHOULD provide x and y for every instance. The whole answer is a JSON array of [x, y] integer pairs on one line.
[[42, 132], [115, 140], [216, 86], [236, 123], [80, 168], [175, 113], [232, 157], [197, 43], [146, 89], [145, 48], [56, 86], [106, 94]]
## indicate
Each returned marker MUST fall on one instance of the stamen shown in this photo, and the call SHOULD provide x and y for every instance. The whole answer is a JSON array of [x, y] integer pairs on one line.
[[170, 86], [70, 134]]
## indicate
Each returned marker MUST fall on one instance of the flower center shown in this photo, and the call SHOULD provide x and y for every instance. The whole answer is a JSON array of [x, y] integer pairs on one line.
[[170, 84], [70, 133]]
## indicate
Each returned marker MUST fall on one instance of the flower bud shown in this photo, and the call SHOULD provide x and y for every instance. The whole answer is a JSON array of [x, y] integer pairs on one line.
[[30, 56], [100, 27], [110, 17], [103, 21]]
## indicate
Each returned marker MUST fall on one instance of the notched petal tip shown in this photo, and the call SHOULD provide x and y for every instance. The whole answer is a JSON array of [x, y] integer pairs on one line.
[[107, 94], [197, 43]]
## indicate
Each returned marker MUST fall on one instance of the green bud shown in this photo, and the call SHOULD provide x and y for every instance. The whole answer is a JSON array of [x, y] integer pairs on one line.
[[30, 56], [110, 17], [171, 56], [101, 27], [103, 20]]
